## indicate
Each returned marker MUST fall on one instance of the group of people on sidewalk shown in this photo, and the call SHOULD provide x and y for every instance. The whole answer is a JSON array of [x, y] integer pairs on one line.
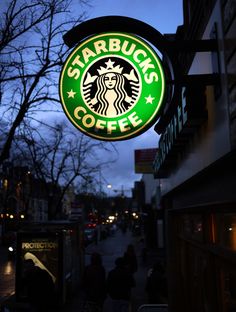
[[117, 284], [97, 285]]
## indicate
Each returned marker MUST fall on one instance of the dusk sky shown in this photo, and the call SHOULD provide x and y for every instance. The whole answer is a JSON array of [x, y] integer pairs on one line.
[[165, 16]]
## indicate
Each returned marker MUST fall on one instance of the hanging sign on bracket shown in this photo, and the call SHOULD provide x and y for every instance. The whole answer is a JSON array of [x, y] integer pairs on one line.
[[112, 86]]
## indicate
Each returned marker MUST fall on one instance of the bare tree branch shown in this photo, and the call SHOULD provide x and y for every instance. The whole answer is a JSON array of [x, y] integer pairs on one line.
[[62, 156], [31, 54]]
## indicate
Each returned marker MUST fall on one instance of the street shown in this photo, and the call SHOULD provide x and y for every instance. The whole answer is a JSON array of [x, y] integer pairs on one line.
[[7, 275]]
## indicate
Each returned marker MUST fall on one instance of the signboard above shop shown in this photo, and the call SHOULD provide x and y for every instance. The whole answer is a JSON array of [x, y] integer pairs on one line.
[[144, 159], [112, 86], [122, 76]]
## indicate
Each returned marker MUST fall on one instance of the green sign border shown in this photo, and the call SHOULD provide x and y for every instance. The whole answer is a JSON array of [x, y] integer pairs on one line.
[[68, 103]]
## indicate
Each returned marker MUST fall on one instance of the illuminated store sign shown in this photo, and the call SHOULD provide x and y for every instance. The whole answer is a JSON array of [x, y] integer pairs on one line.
[[112, 86], [188, 116]]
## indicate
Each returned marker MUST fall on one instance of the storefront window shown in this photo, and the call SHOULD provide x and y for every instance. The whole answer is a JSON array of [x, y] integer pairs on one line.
[[193, 226], [229, 292], [225, 230]]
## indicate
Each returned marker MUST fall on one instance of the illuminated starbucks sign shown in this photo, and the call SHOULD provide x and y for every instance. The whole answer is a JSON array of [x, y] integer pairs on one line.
[[112, 86]]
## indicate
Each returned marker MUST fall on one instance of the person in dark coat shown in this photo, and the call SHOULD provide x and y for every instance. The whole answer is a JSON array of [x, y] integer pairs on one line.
[[94, 281], [156, 285], [130, 259], [40, 289], [119, 284]]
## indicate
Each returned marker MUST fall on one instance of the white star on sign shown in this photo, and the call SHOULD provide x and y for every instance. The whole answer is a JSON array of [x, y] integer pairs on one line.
[[109, 64], [71, 94], [149, 99]]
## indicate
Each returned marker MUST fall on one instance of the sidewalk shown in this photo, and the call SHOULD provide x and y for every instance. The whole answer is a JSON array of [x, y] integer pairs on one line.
[[110, 249]]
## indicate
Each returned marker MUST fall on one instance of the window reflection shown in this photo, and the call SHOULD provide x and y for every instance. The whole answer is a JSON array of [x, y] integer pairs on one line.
[[193, 226], [8, 269], [225, 230], [229, 291]]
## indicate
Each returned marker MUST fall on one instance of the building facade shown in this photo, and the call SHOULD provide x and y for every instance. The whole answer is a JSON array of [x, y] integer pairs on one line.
[[196, 164]]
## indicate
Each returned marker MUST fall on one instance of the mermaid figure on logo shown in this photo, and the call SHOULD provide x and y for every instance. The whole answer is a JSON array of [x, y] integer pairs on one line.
[[111, 98]]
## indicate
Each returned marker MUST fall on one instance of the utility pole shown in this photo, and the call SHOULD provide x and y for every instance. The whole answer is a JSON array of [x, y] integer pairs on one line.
[[121, 191]]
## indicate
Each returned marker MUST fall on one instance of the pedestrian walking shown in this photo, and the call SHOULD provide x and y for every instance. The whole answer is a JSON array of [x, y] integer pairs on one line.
[[143, 250], [94, 282], [130, 259], [119, 284], [156, 286]]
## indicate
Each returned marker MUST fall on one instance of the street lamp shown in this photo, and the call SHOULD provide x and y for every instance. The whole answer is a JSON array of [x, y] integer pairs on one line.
[[109, 186]]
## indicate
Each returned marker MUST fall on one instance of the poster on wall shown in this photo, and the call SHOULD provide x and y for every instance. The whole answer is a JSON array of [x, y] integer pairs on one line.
[[43, 250]]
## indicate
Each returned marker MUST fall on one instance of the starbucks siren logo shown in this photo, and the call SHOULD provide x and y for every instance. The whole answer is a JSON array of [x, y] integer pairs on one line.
[[112, 86]]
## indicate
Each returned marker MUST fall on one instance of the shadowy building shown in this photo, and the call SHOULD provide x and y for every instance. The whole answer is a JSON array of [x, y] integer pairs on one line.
[[196, 162]]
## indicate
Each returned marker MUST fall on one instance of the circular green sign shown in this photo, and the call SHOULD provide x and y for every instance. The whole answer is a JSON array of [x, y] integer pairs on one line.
[[112, 86]]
